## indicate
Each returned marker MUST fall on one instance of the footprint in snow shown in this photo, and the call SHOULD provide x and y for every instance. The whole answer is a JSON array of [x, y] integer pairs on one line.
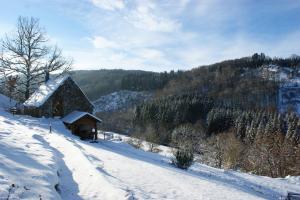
[[130, 195]]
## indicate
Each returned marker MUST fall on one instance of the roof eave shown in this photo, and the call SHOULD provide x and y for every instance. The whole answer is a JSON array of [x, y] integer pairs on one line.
[[87, 114]]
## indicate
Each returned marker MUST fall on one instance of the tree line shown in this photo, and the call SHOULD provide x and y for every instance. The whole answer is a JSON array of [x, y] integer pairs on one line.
[[104, 81], [167, 113], [266, 143], [249, 123], [147, 81], [262, 141]]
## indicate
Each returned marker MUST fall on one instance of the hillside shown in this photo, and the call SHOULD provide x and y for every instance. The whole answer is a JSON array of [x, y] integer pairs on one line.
[[289, 96], [97, 83], [59, 165], [116, 109], [100, 82], [255, 83], [237, 83], [120, 100]]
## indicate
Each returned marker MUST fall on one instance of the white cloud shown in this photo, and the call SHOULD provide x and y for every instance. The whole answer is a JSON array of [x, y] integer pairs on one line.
[[218, 49], [185, 56], [172, 34], [119, 53], [100, 42], [100, 58], [144, 17], [109, 4], [288, 45], [183, 3], [150, 54]]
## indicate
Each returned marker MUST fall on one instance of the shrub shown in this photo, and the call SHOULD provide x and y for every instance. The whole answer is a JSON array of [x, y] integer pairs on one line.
[[136, 143], [184, 139], [152, 138], [183, 158], [233, 151]]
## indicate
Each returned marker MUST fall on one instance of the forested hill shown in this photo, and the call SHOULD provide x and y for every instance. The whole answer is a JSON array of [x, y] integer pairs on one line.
[[228, 113], [239, 82], [97, 83]]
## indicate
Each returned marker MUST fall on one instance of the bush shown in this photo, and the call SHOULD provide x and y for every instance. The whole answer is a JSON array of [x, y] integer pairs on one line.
[[183, 158], [184, 139], [136, 143], [152, 138], [152, 147], [223, 151], [233, 151]]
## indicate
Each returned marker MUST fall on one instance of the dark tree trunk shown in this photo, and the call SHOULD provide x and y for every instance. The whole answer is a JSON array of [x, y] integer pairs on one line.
[[47, 75], [27, 90]]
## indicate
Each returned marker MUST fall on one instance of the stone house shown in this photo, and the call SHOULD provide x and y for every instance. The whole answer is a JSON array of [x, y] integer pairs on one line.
[[57, 97]]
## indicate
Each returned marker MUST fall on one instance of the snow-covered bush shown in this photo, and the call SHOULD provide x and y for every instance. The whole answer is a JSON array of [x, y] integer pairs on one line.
[[184, 139], [136, 143], [183, 158], [153, 147]]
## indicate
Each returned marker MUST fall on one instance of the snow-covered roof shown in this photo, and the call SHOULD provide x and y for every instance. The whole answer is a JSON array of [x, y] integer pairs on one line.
[[75, 115], [45, 90]]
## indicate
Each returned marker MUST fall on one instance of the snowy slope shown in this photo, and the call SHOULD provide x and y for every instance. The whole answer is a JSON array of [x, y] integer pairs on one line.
[[35, 159], [5, 103], [289, 95], [27, 168], [120, 100], [289, 86]]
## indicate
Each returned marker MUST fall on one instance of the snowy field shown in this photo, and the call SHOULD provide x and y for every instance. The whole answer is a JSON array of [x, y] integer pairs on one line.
[[38, 164]]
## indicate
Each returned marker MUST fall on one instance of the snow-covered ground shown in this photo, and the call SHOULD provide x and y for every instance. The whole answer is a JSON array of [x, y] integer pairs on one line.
[[6, 103], [28, 165], [289, 95], [289, 87], [33, 161]]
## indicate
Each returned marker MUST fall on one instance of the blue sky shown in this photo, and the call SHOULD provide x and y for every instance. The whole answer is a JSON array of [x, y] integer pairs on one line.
[[161, 35]]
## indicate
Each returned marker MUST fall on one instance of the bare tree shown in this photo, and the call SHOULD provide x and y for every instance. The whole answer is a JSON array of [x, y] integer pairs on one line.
[[152, 138], [27, 54]]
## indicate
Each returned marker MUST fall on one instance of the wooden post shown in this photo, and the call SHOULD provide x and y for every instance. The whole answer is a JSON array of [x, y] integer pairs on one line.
[[94, 134], [13, 110]]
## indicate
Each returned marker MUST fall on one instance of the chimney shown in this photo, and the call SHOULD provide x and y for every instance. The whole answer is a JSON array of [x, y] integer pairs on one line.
[[47, 75]]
